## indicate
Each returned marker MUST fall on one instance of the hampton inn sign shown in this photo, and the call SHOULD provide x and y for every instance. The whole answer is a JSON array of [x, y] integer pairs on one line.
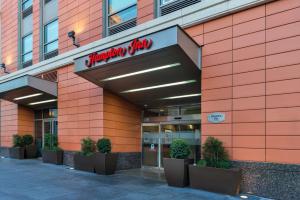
[[131, 49]]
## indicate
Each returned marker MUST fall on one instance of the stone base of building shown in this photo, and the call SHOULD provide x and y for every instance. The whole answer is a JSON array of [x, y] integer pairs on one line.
[[271, 180], [4, 151], [125, 160]]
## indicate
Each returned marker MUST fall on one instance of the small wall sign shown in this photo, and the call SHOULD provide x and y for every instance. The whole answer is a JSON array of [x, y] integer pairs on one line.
[[216, 117]]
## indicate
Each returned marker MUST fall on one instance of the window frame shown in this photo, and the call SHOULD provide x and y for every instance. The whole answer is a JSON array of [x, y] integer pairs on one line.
[[108, 15], [23, 54], [22, 5], [44, 37]]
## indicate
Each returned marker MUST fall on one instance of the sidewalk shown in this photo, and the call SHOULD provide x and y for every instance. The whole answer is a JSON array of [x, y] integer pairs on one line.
[[32, 179]]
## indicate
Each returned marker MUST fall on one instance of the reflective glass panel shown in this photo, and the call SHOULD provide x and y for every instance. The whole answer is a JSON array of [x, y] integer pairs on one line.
[[117, 5], [123, 16]]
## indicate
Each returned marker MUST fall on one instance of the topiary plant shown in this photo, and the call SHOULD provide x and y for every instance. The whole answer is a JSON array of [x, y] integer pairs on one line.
[[51, 142], [28, 140], [214, 153], [104, 145], [88, 146], [18, 141], [179, 149]]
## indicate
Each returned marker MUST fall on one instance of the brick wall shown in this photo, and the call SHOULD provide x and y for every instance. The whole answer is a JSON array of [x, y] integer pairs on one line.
[[14, 120], [9, 34], [251, 73], [122, 123], [82, 16], [80, 109], [145, 11]]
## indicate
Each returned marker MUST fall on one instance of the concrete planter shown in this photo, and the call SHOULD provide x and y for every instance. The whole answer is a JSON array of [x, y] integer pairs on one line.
[[176, 172], [54, 157], [17, 152], [30, 151], [225, 181], [105, 163], [84, 163]]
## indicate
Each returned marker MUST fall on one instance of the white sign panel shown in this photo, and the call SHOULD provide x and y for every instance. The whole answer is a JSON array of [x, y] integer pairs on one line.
[[216, 117]]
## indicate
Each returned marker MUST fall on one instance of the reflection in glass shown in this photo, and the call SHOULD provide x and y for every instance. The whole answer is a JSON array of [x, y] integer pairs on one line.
[[27, 48], [26, 4], [123, 16], [51, 36], [117, 5]]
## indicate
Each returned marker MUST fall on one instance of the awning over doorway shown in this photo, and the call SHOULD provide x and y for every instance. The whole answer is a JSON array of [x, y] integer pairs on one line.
[[159, 69], [30, 91]]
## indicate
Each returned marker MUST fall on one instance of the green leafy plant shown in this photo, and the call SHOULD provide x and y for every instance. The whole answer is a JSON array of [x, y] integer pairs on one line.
[[104, 145], [28, 140], [18, 141], [51, 142], [88, 146], [201, 163], [179, 149], [214, 154]]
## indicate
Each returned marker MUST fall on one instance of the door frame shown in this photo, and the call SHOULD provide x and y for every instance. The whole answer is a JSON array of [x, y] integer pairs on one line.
[[159, 124], [51, 120]]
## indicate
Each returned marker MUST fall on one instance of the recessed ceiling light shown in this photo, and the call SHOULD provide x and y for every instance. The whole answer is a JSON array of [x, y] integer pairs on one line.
[[160, 86], [42, 102], [141, 72], [182, 96], [28, 96]]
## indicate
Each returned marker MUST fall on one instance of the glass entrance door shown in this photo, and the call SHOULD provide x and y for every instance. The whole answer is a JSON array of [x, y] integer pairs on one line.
[[49, 127], [157, 138]]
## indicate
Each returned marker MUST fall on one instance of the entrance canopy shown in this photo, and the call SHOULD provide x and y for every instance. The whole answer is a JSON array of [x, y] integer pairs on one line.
[[159, 69], [29, 91]]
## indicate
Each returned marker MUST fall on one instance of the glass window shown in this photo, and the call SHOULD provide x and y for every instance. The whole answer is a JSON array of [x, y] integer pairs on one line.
[[116, 5], [27, 48], [26, 4], [121, 12], [163, 2], [51, 36]]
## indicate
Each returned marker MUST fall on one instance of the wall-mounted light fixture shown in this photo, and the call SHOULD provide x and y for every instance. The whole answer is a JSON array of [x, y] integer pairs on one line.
[[2, 65], [71, 35]]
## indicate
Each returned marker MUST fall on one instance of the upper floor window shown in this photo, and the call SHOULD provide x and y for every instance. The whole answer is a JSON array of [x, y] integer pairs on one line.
[[169, 6], [121, 15], [27, 49], [50, 28], [26, 33], [51, 37], [26, 4]]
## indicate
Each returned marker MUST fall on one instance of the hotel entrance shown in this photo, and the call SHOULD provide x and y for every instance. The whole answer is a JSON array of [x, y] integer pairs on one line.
[[159, 132]]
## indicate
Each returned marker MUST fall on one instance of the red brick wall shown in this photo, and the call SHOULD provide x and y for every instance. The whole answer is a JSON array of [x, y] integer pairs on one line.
[[36, 31], [251, 73], [145, 11], [9, 122], [80, 109], [122, 123], [9, 34], [82, 16], [14, 120]]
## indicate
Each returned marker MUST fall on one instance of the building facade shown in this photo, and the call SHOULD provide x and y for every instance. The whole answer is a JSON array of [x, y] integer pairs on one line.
[[143, 72]]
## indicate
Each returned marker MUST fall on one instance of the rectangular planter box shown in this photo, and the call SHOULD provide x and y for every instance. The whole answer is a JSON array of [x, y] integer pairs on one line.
[[215, 179], [176, 172], [105, 163], [84, 163], [54, 157], [30, 151], [16, 152]]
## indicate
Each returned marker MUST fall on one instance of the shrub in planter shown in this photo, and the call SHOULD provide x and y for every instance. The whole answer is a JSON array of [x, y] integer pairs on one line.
[[17, 151], [51, 152], [30, 148], [105, 161], [176, 167], [213, 173], [84, 160]]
